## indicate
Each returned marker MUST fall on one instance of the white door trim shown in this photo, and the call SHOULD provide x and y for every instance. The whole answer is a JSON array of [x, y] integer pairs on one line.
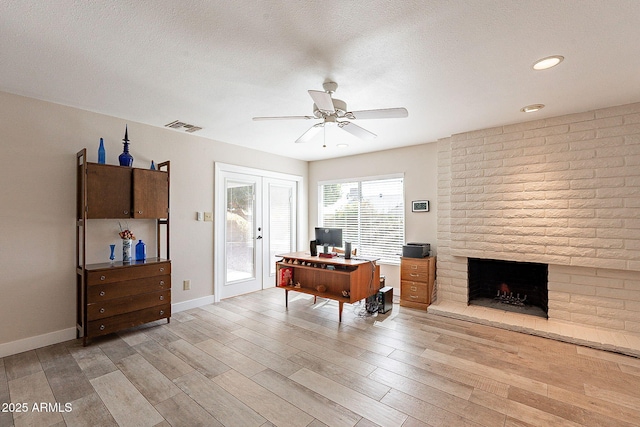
[[219, 221]]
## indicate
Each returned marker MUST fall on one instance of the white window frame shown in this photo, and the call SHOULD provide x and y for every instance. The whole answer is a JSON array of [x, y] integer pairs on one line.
[[359, 181]]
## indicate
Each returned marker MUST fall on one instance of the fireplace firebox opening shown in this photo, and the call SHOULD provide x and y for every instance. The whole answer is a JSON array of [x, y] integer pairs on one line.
[[520, 287]]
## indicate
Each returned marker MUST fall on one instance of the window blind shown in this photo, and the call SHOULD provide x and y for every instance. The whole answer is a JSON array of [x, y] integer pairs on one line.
[[370, 213]]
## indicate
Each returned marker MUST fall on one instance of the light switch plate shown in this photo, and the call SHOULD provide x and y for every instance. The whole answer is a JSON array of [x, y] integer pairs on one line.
[[199, 216], [208, 216]]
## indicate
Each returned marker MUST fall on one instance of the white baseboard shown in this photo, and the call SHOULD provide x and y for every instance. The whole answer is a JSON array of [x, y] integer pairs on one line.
[[192, 303], [31, 343]]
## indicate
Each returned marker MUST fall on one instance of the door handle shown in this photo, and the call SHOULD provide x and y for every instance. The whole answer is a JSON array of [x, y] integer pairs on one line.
[[259, 237]]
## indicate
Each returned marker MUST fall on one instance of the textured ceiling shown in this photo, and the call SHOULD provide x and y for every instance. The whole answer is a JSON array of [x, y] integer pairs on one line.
[[455, 65]]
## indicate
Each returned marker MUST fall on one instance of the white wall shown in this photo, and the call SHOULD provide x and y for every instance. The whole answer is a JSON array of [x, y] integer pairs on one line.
[[38, 147], [419, 165]]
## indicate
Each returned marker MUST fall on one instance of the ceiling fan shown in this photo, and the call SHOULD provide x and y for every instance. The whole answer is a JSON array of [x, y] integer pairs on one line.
[[331, 110]]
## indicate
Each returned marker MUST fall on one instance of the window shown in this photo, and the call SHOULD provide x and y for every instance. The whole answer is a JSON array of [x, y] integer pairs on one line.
[[370, 213]]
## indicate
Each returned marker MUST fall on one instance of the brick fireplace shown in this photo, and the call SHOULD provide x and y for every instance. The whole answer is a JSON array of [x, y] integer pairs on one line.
[[564, 192]]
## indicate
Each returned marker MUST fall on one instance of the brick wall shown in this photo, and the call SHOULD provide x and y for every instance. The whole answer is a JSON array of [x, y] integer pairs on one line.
[[563, 191]]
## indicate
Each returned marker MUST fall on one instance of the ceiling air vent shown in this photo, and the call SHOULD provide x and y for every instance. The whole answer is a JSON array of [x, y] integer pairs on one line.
[[177, 124]]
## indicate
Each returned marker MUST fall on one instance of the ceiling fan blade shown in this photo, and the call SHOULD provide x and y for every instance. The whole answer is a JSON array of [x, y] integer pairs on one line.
[[309, 134], [385, 113], [284, 118], [356, 130], [322, 100]]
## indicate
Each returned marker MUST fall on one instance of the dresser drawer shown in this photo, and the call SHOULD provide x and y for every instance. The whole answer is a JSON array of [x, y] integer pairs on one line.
[[106, 291], [128, 320], [414, 291], [128, 304], [417, 271], [110, 275]]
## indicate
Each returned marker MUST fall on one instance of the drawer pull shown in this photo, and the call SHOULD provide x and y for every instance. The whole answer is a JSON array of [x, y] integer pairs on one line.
[[414, 267], [161, 297], [102, 277], [161, 282], [139, 212], [414, 288], [161, 312], [102, 310], [413, 296], [414, 274], [101, 293], [102, 327], [161, 269], [125, 212]]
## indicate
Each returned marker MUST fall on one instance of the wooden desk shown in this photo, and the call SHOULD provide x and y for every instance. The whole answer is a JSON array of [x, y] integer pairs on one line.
[[328, 277]]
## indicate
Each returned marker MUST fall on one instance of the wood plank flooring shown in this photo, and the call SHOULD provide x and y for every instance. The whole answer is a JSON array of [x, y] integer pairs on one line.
[[248, 361]]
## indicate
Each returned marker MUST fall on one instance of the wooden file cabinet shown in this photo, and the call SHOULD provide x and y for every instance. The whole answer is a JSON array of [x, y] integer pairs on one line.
[[417, 277], [121, 296]]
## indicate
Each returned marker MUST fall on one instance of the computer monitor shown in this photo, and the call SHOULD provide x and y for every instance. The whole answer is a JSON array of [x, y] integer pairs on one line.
[[329, 236]]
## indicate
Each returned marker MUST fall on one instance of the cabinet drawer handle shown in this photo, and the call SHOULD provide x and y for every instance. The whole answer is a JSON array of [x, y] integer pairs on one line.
[[139, 212], [101, 293], [161, 297], [102, 277], [414, 288], [161, 282], [102, 310], [414, 267], [413, 296], [161, 312], [125, 212], [414, 274], [161, 269], [102, 327]]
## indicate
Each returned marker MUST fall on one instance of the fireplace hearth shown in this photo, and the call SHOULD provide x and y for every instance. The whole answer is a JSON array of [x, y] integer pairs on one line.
[[520, 287]]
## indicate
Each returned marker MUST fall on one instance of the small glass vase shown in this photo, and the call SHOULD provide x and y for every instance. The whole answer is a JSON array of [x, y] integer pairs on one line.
[[126, 250], [112, 257], [141, 251]]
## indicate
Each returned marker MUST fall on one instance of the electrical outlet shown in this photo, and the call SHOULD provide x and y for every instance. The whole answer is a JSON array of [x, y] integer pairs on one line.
[[186, 285], [208, 216]]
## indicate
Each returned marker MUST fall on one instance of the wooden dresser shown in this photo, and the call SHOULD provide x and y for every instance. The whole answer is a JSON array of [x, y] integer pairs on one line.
[[118, 295], [122, 296], [417, 277]]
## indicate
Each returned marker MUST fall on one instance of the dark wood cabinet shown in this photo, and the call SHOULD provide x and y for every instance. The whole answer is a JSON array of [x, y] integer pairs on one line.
[[121, 192], [116, 296]]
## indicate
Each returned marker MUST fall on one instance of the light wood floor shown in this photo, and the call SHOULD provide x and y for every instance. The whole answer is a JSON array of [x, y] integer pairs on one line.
[[249, 362]]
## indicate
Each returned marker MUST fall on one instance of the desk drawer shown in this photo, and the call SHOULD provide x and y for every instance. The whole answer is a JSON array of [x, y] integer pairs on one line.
[[128, 304], [110, 275], [128, 320], [107, 291], [414, 291], [417, 272]]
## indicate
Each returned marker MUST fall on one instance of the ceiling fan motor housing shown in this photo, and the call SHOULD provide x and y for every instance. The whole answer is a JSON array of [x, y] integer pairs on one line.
[[340, 109]]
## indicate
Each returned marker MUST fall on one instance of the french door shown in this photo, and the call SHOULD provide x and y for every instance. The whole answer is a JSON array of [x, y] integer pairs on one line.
[[256, 219]]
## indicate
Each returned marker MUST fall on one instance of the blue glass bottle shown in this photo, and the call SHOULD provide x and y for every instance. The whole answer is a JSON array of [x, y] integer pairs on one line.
[[141, 251], [125, 158], [101, 153], [153, 166]]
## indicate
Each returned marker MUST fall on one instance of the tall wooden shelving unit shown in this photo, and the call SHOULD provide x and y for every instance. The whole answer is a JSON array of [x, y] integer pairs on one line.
[[116, 296]]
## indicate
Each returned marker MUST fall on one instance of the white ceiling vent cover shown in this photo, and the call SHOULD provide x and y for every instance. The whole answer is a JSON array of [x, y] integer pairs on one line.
[[177, 124]]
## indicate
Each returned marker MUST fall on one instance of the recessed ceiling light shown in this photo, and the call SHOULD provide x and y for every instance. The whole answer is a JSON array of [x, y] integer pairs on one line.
[[342, 145], [548, 62], [532, 108]]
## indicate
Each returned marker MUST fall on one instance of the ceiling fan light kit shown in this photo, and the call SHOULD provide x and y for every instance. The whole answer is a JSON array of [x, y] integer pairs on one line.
[[331, 110]]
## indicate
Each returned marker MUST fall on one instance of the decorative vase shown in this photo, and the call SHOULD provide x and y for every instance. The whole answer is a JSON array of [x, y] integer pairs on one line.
[[141, 251], [153, 166], [112, 257], [126, 250], [125, 158], [102, 156]]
